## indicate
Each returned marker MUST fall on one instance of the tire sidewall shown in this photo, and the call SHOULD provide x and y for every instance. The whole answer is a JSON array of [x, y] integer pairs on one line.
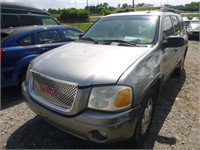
[[138, 136]]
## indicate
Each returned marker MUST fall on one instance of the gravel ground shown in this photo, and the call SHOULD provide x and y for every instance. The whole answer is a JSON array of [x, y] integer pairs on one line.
[[176, 124]]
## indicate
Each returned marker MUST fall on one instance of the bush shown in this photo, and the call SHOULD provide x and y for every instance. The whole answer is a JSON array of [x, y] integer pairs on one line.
[[74, 15]]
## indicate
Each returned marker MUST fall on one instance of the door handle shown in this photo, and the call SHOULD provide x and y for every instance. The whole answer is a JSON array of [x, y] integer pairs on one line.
[[176, 49]]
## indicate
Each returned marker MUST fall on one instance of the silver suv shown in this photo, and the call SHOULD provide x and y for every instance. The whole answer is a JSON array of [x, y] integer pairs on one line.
[[104, 87]]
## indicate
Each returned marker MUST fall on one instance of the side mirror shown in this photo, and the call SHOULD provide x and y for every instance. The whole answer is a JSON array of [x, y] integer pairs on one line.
[[174, 42], [80, 36]]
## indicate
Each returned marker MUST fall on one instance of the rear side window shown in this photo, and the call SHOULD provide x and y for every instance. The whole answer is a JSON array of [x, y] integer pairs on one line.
[[176, 24], [48, 21], [28, 20], [10, 20], [50, 36], [27, 40], [168, 27]]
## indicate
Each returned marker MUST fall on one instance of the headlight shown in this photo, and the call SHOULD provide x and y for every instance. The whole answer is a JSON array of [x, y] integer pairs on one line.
[[27, 73], [110, 98]]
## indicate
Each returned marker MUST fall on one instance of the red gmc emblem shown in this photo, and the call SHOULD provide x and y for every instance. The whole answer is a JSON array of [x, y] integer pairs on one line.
[[48, 90]]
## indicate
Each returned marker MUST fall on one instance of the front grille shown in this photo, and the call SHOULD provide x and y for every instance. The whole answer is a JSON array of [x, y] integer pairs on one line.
[[56, 92]]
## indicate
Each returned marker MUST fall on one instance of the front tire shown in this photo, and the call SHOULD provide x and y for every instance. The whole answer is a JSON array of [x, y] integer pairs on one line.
[[145, 118]]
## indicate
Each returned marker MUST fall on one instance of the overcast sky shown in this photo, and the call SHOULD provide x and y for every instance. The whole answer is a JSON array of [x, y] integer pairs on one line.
[[45, 4]]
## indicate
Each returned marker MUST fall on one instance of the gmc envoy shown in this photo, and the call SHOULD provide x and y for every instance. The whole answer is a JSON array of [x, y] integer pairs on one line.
[[104, 87]]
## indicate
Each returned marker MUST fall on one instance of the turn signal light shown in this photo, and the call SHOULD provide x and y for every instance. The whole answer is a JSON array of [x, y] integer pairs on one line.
[[123, 98]]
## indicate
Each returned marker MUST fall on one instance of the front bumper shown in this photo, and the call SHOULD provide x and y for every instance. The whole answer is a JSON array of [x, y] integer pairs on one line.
[[100, 127]]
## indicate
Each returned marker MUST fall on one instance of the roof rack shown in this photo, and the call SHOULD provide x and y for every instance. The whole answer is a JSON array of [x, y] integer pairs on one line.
[[167, 9]]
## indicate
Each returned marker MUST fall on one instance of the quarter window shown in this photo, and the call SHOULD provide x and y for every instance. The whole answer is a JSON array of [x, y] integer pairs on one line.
[[28, 40], [48, 21], [50, 36], [168, 27]]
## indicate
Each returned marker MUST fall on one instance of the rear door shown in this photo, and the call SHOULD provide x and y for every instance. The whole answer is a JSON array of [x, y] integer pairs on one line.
[[15, 52], [48, 39], [179, 31], [169, 54]]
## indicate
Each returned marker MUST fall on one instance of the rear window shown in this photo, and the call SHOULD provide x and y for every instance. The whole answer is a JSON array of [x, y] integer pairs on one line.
[[10, 20], [28, 20]]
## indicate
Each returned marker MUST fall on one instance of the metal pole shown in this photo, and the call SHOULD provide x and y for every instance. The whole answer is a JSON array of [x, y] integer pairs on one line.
[[87, 3], [199, 11]]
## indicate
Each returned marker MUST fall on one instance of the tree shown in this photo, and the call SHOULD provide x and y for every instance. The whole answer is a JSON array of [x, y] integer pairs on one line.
[[105, 5], [140, 5], [192, 4], [124, 5]]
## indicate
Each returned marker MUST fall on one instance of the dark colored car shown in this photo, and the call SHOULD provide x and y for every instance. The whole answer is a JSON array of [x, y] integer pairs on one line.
[[15, 20], [14, 14], [19, 8], [193, 30], [21, 44]]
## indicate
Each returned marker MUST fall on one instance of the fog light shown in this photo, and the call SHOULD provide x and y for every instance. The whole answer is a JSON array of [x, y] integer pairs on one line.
[[98, 136], [102, 133]]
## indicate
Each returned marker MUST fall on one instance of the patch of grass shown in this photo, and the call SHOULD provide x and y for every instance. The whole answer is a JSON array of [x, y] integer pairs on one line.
[[82, 26], [145, 8], [93, 18]]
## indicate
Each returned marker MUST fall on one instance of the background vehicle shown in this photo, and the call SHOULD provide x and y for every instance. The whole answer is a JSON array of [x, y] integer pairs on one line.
[[14, 14], [19, 8], [21, 44], [193, 30], [111, 77]]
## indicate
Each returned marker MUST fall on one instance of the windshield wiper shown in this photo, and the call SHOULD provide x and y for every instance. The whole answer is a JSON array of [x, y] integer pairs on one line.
[[90, 39], [120, 41]]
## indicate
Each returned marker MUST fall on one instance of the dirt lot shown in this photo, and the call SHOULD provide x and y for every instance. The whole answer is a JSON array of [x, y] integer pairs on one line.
[[176, 124]]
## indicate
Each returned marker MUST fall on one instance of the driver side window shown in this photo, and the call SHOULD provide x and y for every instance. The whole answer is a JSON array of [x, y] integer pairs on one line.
[[168, 27]]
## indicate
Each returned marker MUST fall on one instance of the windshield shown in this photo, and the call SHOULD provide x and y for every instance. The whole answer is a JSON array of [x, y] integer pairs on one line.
[[132, 29]]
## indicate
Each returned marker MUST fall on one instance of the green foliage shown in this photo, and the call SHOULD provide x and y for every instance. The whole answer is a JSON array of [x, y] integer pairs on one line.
[[192, 4], [74, 15], [82, 26], [101, 9], [145, 8], [107, 11], [57, 16], [125, 5], [93, 18], [54, 11]]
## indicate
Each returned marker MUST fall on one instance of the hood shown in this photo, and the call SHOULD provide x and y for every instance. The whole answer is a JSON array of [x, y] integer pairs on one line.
[[87, 64]]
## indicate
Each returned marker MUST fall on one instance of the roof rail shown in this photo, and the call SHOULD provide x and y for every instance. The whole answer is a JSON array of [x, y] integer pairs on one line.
[[167, 9]]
